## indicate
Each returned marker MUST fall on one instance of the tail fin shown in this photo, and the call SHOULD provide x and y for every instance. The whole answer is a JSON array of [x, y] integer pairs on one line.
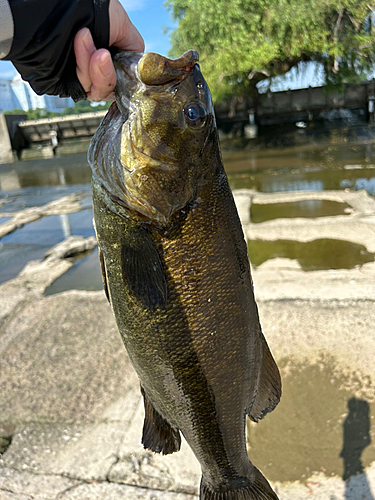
[[240, 489]]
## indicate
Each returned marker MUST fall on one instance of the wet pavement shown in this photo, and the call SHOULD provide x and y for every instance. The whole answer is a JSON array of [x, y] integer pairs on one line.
[[77, 434]]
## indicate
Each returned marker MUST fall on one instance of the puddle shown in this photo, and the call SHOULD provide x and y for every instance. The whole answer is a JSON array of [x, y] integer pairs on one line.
[[320, 425], [84, 275], [314, 255], [293, 209], [33, 240]]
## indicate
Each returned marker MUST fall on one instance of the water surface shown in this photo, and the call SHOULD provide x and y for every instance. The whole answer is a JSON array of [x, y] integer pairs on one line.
[[312, 167], [33, 240], [324, 253], [290, 210]]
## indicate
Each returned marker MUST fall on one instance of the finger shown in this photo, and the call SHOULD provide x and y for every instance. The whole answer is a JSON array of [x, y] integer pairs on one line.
[[103, 76], [130, 38], [84, 48]]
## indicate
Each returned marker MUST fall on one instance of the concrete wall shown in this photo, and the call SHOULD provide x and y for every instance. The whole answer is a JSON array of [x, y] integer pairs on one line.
[[6, 155], [303, 104]]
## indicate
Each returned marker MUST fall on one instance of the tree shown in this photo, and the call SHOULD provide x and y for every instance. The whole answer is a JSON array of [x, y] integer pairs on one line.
[[241, 42], [86, 107]]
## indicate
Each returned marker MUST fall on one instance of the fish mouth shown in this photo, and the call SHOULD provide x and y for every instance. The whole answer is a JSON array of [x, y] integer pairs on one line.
[[154, 69], [150, 69]]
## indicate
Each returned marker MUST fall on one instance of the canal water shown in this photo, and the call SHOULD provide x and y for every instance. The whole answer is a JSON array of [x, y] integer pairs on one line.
[[316, 399], [311, 167]]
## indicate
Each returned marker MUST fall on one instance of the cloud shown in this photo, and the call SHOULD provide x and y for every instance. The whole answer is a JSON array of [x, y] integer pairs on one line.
[[131, 5]]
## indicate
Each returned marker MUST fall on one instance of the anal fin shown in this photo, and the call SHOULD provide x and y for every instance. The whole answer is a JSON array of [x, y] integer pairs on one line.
[[269, 386], [158, 435]]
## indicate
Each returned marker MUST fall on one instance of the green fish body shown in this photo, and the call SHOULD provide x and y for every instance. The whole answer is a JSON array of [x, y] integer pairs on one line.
[[176, 272]]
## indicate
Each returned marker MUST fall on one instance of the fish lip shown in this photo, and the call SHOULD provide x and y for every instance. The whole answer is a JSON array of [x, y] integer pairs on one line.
[[165, 70]]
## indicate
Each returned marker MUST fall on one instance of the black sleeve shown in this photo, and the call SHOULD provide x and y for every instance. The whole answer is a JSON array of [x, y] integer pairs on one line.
[[42, 48]]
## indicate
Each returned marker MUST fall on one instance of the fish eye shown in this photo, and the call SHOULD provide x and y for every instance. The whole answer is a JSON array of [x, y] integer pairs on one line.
[[195, 114]]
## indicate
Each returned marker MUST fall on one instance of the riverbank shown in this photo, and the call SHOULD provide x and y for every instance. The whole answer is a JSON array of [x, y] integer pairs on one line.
[[71, 413]]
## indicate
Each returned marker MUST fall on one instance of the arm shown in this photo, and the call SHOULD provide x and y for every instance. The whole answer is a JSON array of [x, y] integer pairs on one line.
[[45, 52]]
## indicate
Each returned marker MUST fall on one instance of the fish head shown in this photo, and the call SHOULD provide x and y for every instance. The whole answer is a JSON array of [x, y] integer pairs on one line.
[[166, 121]]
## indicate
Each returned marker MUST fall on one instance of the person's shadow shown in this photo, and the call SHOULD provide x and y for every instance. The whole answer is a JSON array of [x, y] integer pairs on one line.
[[356, 439]]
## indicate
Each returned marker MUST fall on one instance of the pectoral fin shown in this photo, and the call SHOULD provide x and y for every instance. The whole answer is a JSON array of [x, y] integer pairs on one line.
[[142, 269], [269, 388]]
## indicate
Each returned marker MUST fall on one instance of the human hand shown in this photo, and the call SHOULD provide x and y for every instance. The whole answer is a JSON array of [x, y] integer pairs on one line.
[[95, 69]]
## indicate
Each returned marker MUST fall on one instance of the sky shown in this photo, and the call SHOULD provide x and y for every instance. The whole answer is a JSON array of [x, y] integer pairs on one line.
[[149, 16]]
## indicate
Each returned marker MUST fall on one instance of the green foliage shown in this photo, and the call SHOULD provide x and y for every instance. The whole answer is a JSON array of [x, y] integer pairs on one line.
[[86, 107], [241, 42]]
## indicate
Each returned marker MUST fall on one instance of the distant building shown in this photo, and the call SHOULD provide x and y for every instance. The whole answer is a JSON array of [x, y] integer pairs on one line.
[[17, 94]]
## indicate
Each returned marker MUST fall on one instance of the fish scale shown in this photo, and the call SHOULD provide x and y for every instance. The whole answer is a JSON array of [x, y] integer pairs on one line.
[[179, 280]]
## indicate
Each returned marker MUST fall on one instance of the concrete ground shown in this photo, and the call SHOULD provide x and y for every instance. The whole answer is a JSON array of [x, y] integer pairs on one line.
[[70, 408]]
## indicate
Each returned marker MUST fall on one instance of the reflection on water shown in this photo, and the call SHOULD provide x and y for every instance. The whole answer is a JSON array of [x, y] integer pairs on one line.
[[33, 240], [356, 439], [36, 197], [60, 170], [313, 255], [361, 183], [29, 243], [304, 168], [307, 156], [305, 180], [37, 182], [84, 275], [293, 209]]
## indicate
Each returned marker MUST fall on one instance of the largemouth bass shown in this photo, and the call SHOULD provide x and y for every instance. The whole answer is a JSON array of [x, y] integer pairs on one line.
[[176, 271]]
